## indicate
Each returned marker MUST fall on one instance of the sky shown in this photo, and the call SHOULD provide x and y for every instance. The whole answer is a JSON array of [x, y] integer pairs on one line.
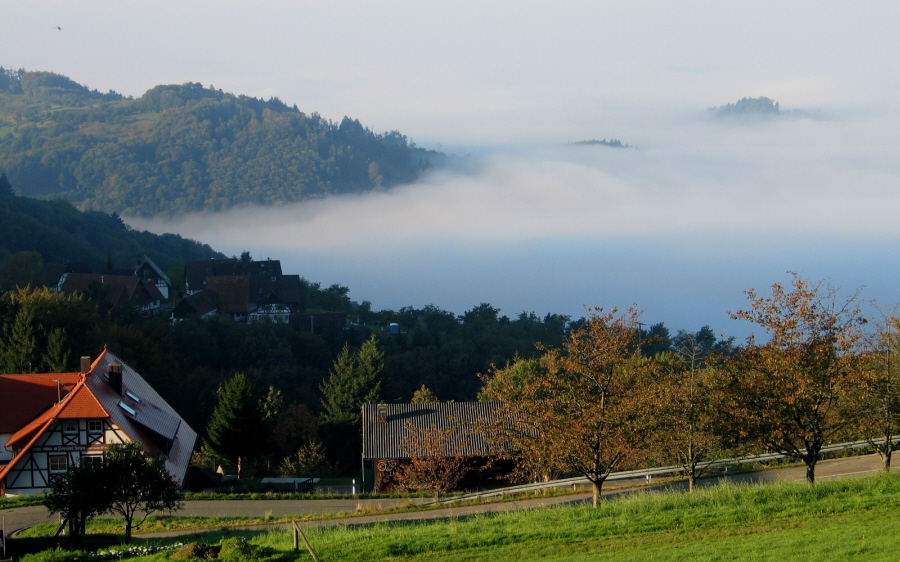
[[696, 213]]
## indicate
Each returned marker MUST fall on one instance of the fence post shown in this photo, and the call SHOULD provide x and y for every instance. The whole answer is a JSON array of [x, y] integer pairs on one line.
[[298, 530]]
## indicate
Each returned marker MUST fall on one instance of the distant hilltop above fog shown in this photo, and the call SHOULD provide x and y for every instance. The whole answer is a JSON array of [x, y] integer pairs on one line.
[[761, 107], [184, 148], [612, 143]]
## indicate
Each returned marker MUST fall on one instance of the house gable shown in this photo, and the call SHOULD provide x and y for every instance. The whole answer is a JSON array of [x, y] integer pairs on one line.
[[101, 409]]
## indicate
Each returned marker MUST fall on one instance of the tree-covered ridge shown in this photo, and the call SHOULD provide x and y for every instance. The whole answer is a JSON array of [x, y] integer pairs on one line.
[[761, 106], [59, 233], [612, 143], [181, 148]]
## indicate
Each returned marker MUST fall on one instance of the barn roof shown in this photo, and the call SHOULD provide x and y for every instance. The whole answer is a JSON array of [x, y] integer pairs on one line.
[[386, 427]]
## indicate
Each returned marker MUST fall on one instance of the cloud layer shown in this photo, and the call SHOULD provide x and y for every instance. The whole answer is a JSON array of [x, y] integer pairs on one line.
[[682, 224]]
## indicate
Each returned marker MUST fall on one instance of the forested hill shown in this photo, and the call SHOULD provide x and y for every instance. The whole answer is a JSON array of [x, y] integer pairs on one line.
[[185, 148], [60, 233]]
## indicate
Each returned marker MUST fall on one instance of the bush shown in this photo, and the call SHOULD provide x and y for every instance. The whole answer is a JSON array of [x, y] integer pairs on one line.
[[197, 550], [238, 549]]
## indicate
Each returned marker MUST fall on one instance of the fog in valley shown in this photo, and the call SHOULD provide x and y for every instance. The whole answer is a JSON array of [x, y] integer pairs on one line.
[[697, 211], [700, 210]]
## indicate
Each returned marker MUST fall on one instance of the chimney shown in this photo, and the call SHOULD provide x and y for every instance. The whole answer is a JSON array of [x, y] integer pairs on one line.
[[382, 413], [86, 365], [114, 374]]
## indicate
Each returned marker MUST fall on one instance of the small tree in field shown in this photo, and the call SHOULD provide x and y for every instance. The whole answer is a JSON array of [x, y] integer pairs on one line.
[[432, 465], [137, 483], [793, 392], [78, 495]]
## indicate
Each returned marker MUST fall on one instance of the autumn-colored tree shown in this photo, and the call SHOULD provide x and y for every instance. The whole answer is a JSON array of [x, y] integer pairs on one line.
[[879, 401], [593, 409], [424, 396], [508, 384], [793, 391], [309, 461], [434, 464], [691, 423]]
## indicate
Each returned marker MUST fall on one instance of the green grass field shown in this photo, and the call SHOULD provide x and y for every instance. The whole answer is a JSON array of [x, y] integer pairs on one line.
[[836, 520]]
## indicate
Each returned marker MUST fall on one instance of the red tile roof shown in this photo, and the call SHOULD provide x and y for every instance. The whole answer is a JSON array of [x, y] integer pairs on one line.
[[81, 403], [25, 397], [92, 396]]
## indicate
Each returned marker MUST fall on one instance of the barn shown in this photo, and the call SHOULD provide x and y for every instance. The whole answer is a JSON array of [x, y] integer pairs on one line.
[[389, 430]]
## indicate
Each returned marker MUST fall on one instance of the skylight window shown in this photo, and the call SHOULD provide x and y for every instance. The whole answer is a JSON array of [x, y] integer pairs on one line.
[[128, 409], [133, 396]]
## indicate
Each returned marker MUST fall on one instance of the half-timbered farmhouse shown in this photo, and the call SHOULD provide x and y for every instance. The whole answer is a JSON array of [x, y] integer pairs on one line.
[[51, 422], [388, 428]]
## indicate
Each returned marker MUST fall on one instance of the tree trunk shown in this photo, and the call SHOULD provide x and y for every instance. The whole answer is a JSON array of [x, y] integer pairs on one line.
[[596, 488], [811, 471], [886, 456], [128, 531], [692, 480]]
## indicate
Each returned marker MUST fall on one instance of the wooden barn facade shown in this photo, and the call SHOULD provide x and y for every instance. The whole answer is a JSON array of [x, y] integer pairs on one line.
[[388, 431]]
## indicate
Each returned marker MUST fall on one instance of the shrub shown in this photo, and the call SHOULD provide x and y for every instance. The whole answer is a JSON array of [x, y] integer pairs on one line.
[[197, 550], [238, 549]]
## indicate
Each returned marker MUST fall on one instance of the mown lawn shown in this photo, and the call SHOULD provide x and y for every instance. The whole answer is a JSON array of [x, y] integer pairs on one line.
[[836, 520]]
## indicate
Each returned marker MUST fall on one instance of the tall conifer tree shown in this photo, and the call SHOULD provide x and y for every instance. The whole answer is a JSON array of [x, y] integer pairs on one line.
[[236, 430]]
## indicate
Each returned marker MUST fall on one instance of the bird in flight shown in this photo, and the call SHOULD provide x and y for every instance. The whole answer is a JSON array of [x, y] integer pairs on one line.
[[58, 28]]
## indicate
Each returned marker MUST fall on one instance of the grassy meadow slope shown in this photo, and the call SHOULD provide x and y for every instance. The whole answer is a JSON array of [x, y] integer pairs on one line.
[[835, 520]]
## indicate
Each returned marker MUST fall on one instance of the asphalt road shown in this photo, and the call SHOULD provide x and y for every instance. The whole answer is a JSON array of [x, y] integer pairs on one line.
[[23, 517]]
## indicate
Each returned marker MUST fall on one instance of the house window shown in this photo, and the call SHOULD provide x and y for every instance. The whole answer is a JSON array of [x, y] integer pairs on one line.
[[95, 426], [70, 426], [59, 463]]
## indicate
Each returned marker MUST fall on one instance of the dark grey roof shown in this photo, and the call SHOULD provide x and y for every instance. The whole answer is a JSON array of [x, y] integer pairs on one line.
[[202, 303], [384, 439], [151, 412], [160, 274]]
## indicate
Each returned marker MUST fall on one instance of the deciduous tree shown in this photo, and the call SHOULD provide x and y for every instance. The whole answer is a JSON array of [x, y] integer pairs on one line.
[[78, 495], [691, 420], [434, 464], [594, 409], [793, 390], [424, 396], [879, 399], [137, 483]]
